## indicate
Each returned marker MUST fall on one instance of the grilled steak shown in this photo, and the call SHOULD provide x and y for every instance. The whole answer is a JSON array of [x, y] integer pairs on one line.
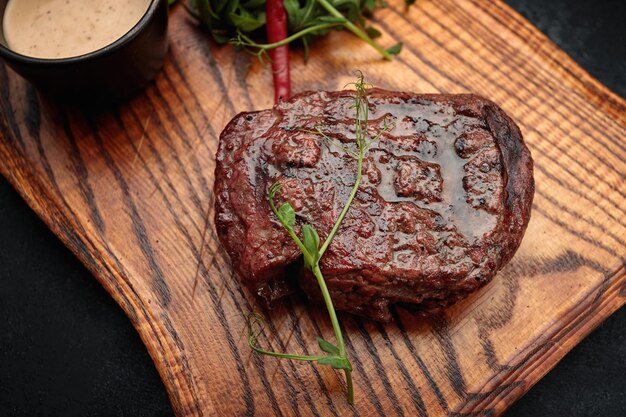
[[443, 205]]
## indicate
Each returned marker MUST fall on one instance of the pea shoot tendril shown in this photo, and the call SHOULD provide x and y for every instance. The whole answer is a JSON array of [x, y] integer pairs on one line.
[[312, 251]]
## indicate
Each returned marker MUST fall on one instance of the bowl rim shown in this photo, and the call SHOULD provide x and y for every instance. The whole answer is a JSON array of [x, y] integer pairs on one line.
[[119, 43]]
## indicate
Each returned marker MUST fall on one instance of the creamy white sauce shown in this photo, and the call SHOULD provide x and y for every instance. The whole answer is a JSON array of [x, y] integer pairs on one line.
[[68, 28]]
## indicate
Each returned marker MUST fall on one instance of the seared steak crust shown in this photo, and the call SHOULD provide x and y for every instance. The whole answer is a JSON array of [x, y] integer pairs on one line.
[[443, 205]]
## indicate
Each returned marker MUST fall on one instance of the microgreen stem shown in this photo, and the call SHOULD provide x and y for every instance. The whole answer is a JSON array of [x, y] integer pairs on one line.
[[252, 337], [346, 207], [336, 328], [303, 358], [362, 114], [350, 388], [244, 40], [355, 29], [332, 141], [331, 309], [312, 252]]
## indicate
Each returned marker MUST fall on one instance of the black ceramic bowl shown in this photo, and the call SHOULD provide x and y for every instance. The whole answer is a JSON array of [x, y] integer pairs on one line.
[[114, 72]]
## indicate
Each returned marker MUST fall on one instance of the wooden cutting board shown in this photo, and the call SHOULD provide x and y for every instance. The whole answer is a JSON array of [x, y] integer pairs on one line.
[[129, 191]]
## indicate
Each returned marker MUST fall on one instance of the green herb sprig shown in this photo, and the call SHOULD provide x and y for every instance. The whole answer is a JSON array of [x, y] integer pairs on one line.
[[312, 252], [242, 22]]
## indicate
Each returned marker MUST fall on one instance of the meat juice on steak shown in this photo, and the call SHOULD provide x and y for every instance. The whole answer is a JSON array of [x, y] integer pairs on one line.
[[443, 204]]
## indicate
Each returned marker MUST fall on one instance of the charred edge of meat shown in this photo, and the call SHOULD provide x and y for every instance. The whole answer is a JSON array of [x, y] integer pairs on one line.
[[518, 173]]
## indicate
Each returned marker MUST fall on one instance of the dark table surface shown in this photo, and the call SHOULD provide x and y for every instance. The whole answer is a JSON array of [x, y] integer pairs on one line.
[[66, 348]]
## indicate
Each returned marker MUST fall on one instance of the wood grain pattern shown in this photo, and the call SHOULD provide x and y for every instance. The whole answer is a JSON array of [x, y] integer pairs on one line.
[[129, 191]]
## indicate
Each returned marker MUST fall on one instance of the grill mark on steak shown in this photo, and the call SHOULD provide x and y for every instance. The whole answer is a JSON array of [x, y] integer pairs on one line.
[[444, 201]]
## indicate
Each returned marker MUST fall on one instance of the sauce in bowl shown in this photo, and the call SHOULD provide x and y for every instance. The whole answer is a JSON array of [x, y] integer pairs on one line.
[[54, 29]]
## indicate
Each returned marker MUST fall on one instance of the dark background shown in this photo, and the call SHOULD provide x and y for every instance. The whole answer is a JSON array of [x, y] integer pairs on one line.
[[66, 349]]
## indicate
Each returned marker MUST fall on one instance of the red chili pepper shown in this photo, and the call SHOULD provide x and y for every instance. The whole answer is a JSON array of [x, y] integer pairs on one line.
[[276, 18]]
